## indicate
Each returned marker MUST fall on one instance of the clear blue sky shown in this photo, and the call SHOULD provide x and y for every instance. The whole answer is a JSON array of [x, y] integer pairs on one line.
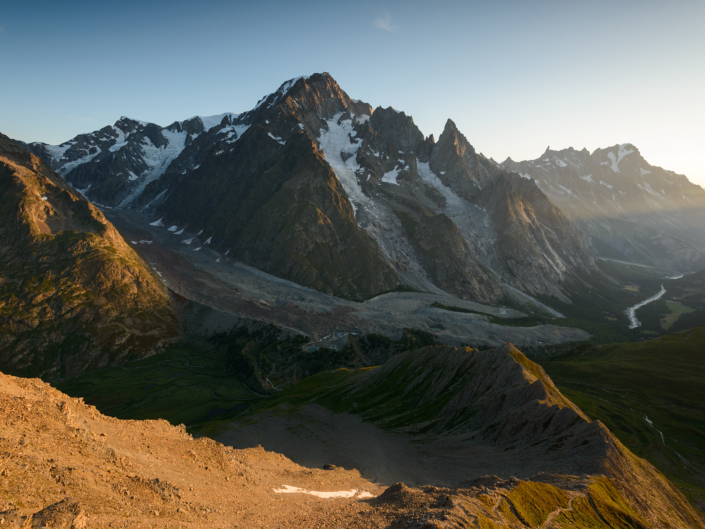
[[515, 76]]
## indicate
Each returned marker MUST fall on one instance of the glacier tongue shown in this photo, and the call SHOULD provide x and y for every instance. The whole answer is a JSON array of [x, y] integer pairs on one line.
[[336, 141]]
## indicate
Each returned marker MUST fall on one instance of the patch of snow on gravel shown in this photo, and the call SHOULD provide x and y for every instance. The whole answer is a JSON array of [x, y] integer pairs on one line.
[[288, 489]]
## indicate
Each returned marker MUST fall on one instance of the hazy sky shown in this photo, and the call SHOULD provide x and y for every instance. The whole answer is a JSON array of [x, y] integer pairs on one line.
[[515, 76]]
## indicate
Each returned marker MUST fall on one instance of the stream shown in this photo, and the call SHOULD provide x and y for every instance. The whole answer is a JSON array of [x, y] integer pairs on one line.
[[631, 311]]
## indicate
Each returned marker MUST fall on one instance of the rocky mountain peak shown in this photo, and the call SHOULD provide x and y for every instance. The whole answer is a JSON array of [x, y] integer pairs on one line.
[[452, 135], [8, 145], [457, 163], [397, 128]]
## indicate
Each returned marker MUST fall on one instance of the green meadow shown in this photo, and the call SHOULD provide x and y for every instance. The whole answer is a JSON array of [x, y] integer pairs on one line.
[[651, 395], [187, 384]]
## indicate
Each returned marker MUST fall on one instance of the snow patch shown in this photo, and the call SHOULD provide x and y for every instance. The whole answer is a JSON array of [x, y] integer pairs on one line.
[[279, 140], [234, 132], [213, 121], [391, 176], [157, 222], [334, 142], [70, 166], [173, 228], [623, 151], [587, 178], [58, 151], [648, 189], [452, 200], [288, 489], [362, 118], [561, 162]]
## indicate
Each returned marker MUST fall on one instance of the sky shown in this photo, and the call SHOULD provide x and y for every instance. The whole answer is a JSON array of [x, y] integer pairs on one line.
[[515, 76]]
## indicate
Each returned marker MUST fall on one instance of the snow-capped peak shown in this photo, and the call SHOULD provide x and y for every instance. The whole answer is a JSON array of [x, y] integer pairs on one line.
[[213, 121]]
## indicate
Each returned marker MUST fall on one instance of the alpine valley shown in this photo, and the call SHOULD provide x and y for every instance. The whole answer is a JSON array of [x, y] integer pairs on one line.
[[312, 314]]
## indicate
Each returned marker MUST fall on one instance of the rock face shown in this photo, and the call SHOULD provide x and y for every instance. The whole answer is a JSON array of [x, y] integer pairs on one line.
[[362, 201], [482, 418], [72, 292], [632, 210]]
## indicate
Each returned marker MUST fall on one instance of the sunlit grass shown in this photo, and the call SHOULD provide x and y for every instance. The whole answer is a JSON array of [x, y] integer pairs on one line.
[[676, 310]]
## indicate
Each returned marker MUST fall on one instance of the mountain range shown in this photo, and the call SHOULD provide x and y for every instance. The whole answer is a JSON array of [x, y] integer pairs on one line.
[[324, 190], [281, 220], [633, 211]]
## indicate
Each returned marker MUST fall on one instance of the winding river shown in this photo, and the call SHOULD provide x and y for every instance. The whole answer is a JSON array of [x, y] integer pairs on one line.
[[631, 311]]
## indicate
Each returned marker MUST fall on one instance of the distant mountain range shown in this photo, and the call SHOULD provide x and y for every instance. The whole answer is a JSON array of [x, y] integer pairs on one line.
[[632, 210], [316, 187]]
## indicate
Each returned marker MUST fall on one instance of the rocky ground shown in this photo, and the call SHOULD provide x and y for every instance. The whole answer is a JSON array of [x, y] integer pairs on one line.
[[68, 465], [213, 279]]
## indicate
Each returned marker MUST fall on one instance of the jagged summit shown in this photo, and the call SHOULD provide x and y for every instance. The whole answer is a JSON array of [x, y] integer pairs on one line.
[[412, 195]]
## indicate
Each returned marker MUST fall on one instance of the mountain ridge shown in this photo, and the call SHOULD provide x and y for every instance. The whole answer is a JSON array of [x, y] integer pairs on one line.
[[74, 294]]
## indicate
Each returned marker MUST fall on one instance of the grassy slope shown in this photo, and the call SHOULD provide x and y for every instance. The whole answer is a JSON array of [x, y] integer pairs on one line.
[[187, 384], [664, 380]]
